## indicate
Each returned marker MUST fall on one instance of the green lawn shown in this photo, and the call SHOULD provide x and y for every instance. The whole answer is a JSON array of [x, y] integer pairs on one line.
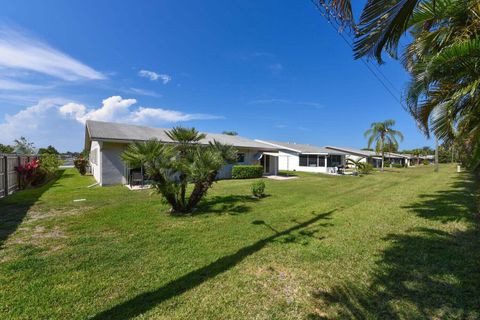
[[403, 244]]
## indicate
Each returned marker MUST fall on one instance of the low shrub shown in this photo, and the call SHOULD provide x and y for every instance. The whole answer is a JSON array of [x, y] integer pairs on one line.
[[258, 189], [397, 165], [247, 172], [425, 162], [387, 163], [81, 164], [365, 168]]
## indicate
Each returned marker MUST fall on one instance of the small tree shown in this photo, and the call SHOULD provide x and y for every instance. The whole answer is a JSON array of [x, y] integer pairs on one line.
[[5, 148], [48, 150], [23, 146], [357, 164], [171, 167]]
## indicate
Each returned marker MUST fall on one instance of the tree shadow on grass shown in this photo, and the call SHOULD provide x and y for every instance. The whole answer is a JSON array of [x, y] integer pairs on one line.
[[148, 300], [455, 204], [231, 204], [425, 273], [14, 208]]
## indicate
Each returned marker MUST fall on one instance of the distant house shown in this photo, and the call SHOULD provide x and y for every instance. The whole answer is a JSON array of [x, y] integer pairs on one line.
[[106, 142], [308, 158], [373, 157]]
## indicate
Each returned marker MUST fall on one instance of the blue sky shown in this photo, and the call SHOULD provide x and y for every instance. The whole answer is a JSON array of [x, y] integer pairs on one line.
[[266, 69]]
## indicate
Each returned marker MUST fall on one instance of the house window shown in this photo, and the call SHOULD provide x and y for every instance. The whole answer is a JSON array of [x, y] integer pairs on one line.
[[321, 161], [334, 160], [303, 160], [240, 157], [312, 161]]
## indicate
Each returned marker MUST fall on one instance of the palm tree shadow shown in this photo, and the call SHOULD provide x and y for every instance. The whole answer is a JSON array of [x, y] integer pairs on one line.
[[426, 273], [231, 204], [148, 300], [14, 208]]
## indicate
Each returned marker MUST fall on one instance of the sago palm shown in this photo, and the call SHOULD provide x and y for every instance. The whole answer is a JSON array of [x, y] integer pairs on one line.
[[171, 167], [382, 133], [185, 139]]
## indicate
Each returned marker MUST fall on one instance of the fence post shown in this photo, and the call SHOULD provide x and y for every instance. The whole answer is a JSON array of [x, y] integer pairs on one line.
[[19, 162], [5, 176]]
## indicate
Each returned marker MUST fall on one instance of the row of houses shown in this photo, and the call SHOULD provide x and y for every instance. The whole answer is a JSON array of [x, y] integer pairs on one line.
[[107, 141]]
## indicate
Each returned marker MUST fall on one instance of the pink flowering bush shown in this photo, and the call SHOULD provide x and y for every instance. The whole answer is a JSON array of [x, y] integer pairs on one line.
[[28, 173]]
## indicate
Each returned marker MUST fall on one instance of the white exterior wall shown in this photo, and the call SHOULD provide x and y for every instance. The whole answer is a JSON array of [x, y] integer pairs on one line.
[[289, 160], [226, 171], [113, 168], [356, 158], [110, 169], [95, 160]]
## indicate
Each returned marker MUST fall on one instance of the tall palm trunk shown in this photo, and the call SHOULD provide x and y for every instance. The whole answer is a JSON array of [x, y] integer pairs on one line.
[[383, 151]]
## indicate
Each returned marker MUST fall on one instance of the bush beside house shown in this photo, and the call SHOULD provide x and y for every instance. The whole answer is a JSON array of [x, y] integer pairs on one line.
[[247, 171], [81, 164]]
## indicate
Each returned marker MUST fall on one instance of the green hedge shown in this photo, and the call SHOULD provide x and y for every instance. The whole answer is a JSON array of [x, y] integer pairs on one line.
[[247, 172]]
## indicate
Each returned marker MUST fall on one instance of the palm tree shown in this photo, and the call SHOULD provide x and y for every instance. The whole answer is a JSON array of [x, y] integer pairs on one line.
[[172, 167], [382, 24], [382, 133], [185, 140], [444, 61], [357, 164]]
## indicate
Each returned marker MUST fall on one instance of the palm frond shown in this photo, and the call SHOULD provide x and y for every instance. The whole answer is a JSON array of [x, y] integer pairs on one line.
[[382, 24]]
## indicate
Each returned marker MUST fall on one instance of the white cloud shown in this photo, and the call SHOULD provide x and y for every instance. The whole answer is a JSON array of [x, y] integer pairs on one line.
[[112, 109], [152, 75], [19, 51], [59, 122], [143, 115], [276, 68], [143, 92], [7, 84], [118, 109], [29, 121]]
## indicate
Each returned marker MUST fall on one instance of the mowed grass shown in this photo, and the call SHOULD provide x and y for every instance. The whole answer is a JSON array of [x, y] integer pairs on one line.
[[402, 244]]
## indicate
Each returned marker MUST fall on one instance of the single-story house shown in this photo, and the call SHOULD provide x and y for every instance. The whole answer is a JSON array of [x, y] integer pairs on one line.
[[372, 157], [106, 142], [308, 158]]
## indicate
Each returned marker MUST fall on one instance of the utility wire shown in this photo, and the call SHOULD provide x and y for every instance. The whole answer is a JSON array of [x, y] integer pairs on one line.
[[337, 28]]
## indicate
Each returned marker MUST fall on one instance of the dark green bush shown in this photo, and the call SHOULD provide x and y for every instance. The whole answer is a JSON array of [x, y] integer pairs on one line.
[[397, 165], [247, 172], [387, 163], [258, 189], [365, 168], [426, 162]]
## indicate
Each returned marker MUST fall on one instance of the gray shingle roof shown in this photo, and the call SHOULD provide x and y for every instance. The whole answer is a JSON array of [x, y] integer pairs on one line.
[[366, 153], [302, 148], [99, 130]]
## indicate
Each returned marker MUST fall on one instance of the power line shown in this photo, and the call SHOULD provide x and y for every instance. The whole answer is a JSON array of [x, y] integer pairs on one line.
[[337, 28]]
